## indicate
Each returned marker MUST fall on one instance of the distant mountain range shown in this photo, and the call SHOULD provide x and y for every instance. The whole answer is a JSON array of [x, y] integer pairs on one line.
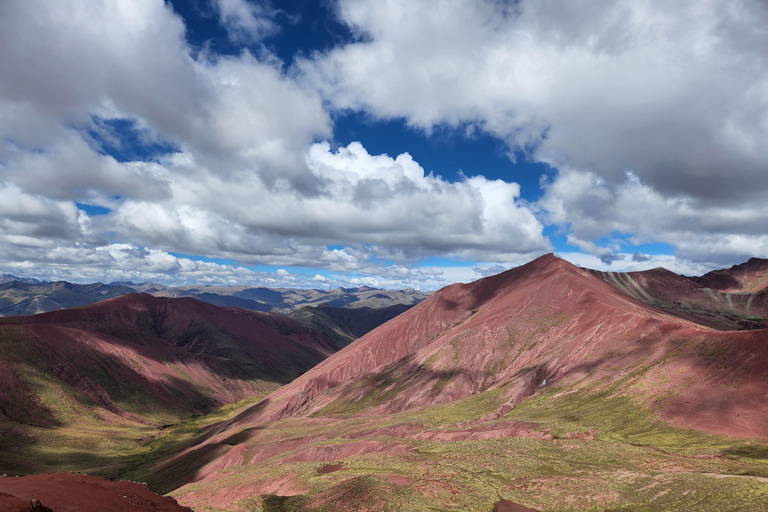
[[29, 296]]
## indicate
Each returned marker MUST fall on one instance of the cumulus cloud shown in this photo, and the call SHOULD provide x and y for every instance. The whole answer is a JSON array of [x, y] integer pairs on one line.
[[670, 90], [676, 93], [640, 106], [389, 208], [245, 20], [593, 208]]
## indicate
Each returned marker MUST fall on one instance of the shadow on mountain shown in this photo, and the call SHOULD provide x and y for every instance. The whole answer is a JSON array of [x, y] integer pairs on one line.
[[197, 453]]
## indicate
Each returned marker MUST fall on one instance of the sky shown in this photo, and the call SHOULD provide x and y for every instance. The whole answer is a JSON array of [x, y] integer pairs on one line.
[[387, 143]]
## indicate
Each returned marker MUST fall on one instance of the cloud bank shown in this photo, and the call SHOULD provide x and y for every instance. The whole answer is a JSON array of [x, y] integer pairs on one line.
[[653, 115]]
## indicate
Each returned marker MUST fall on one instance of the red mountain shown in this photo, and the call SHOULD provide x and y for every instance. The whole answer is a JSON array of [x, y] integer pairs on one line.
[[749, 277], [140, 359], [692, 300], [424, 409], [544, 324]]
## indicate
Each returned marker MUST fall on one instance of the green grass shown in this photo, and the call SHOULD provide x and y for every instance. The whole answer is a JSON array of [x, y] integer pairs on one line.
[[634, 462]]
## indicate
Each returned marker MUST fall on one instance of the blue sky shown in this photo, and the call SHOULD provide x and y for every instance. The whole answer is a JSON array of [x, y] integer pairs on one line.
[[388, 143]]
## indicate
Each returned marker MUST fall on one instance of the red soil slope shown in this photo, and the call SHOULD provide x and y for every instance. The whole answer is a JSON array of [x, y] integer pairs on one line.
[[138, 356], [63, 492], [749, 277], [683, 297], [547, 323]]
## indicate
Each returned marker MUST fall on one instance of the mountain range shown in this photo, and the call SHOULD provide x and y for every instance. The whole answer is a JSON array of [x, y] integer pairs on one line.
[[545, 387], [560, 357], [24, 296]]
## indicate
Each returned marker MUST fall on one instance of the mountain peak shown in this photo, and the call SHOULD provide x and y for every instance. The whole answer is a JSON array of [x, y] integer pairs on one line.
[[748, 277]]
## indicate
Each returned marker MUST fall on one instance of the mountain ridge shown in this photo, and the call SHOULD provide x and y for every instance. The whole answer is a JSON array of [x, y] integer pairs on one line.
[[429, 329], [20, 297]]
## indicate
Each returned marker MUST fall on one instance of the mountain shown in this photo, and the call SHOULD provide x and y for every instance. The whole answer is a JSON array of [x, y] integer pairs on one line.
[[749, 277], [285, 300], [362, 320], [30, 297], [691, 299], [144, 287], [545, 321], [346, 324], [543, 386], [137, 360], [7, 278], [231, 301]]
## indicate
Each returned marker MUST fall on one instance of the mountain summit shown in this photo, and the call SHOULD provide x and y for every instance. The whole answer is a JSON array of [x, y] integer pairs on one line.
[[542, 325]]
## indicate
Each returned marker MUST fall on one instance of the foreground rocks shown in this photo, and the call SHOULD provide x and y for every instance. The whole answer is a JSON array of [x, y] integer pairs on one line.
[[68, 492]]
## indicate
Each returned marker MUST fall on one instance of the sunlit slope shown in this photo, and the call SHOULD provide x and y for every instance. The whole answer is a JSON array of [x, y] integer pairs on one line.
[[544, 385], [543, 325]]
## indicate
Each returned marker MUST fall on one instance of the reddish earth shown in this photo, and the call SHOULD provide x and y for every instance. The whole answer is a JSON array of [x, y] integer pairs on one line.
[[542, 325], [749, 277], [547, 323], [330, 468], [508, 506], [69, 492], [724, 309], [137, 354]]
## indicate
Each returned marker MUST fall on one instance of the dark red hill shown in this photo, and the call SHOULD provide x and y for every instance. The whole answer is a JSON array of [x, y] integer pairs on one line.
[[145, 359], [749, 277], [692, 300], [81, 493]]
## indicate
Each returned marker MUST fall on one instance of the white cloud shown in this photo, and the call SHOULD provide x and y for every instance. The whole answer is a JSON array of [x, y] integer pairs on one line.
[[676, 92], [245, 20], [386, 207], [592, 208]]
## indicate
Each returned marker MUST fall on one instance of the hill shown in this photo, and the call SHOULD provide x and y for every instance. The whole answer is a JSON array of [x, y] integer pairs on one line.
[[543, 386], [135, 362], [81, 493], [750, 277]]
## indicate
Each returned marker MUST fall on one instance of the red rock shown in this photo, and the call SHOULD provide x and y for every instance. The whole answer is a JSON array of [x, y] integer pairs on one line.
[[508, 506], [83, 493]]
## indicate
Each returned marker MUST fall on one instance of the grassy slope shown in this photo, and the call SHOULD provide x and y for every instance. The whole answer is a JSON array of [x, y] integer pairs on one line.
[[633, 462], [593, 447], [56, 428]]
